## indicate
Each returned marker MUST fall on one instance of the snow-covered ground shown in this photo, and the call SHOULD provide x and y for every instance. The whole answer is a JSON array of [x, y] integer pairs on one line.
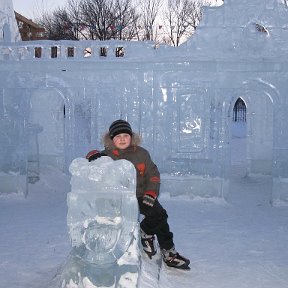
[[240, 242]]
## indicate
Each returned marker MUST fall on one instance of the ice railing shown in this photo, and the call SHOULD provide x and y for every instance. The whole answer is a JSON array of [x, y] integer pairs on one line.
[[75, 50]]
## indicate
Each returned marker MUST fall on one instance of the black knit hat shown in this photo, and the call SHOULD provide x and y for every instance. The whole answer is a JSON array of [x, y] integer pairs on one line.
[[118, 127]]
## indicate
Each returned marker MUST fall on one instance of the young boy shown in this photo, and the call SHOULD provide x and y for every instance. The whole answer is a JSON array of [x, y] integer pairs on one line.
[[122, 143]]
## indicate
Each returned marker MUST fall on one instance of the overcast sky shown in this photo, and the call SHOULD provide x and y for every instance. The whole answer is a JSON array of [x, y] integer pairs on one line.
[[32, 8]]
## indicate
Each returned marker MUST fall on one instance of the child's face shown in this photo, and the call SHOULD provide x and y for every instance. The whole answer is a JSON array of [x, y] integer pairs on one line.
[[122, 141]]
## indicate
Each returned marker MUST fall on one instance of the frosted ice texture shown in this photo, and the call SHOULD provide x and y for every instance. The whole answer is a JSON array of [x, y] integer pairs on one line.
[[102, 220], [10, 31], [225, 32], [14, 135], [102, 208]]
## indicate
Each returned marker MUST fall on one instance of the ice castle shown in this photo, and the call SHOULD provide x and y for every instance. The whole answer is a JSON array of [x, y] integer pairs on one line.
[[57, 98]]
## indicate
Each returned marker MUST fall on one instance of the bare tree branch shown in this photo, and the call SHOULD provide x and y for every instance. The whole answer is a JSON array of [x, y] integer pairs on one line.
[[124, 19], [149, 11], [182, 18], [58, 25]]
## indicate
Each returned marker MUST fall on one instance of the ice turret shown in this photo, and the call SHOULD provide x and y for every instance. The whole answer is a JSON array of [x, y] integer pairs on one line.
[[241, 29], [9, 31]]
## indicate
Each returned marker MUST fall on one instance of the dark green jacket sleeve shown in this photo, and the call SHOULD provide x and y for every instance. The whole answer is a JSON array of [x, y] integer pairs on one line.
[[152, 176]]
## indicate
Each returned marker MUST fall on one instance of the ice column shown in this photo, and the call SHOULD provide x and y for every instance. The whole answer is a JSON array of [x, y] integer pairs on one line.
[[8, 25], [102, 220]]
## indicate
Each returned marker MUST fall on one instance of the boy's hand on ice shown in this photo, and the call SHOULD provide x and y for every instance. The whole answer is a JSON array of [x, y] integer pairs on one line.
[[149, 198], [94, 154]]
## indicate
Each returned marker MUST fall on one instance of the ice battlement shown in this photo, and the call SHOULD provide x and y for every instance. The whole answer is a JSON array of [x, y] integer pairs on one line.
[[76, 50]]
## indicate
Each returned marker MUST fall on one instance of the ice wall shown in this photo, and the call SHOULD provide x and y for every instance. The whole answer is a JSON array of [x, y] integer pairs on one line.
[[248, 41], [180, 100]]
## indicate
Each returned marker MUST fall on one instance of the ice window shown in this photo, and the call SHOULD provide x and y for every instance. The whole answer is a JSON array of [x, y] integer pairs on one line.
[[261, 28], [103, 51], [87, 52], [239, 111], [37, 52], [54, 52], [119, 51], [70, 52]]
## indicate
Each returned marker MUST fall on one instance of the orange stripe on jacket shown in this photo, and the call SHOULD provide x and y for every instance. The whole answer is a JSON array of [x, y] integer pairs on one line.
[[155, 179], [116, 152], [141, 167], [151, 193]]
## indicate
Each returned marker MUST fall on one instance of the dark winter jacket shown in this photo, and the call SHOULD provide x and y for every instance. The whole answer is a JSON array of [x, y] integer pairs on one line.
[[148, 176]]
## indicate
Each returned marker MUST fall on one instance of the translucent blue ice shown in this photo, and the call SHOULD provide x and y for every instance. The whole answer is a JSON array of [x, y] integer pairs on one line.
[[180, 100], [102, 220]]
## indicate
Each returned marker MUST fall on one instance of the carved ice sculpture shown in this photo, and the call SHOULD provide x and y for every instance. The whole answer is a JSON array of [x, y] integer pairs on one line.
[[102, 220]]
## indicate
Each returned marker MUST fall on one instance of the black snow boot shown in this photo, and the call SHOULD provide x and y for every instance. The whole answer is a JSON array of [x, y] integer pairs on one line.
[[173, 259], [148, 244]]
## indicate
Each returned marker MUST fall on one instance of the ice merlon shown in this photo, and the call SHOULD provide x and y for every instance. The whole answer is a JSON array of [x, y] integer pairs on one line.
[[103, 225]]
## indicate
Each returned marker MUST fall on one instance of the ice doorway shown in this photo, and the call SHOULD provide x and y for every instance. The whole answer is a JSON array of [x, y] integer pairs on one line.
[[239, 139], [47, 111]]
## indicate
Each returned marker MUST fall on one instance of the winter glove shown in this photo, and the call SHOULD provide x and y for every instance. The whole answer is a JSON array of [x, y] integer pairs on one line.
[[94, 154], [149, 198]]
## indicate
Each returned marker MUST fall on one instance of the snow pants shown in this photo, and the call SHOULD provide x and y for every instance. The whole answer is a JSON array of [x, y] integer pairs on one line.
[[155, 223]]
